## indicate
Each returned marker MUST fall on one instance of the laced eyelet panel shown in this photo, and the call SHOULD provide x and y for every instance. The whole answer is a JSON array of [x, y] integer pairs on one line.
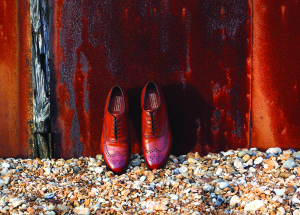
[[152, 121], [117, 127]]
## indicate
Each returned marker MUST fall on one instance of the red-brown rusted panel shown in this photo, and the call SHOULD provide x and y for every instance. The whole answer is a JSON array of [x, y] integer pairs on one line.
[[197, 51], [276, 77], [16, 137]]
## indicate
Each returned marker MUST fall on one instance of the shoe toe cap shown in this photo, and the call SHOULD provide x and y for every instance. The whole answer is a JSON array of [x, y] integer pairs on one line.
[[117, 162], [155, 159]]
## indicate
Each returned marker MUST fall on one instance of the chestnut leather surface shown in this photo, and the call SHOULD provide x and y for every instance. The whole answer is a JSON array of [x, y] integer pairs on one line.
[[115, 145], [156, 132]]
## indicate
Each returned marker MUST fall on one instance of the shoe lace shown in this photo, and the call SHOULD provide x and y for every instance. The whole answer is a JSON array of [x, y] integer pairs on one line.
[[117, 127], [152, 122]]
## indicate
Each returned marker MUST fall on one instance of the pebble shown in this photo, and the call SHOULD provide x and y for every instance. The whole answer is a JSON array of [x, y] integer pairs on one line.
[[2, 182], [234, 201], [16, 202], [258, 160], [223, 185], [228, 153], [49, 196], [297, 155], [242, 153], [254, 205], [285, 174], [276, 150], [219, 171], [246, 158], [99, 170], [219, 201], [289, 164], [6, 180], [183, 169], [186, 185], [279, 192], [136, 162], [5, 165], [76, 169], [238, 164], [82, 210], [208, 188]]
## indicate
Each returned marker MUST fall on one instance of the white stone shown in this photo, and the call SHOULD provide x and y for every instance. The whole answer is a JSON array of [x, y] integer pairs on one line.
[[276, 150], [258, 160], [228, 153], [254, 205], [238, 164], [47, 171], [98, 170], [252, 169], [219, 171], [6, 165], [296, 200], [296, 212], [50, 213], [143, 178], [279, 192], [235, 201], [223, 185], [16, 202], [3, 200], [183, 169]]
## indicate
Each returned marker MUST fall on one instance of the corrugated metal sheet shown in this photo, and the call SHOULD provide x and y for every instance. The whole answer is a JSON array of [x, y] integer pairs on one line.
[[197, 51], [276, 74], [15, 80]]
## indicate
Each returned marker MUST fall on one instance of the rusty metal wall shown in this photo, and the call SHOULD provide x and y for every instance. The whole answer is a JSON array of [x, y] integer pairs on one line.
[[225, 67], [199, 52], [16, 128], [276, 74]]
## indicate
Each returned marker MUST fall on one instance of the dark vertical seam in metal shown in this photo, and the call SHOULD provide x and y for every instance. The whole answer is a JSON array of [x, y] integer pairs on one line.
[[251, 75]]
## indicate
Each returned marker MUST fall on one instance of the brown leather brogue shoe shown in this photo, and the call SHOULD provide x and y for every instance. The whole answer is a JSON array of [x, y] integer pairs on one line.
[[115, 144], [156, 132]]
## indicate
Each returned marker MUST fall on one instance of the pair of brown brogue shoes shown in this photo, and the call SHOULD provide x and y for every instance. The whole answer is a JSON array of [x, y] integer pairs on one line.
[[156, 133]]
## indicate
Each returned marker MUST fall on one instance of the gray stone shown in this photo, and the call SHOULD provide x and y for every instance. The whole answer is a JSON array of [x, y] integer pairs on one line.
[[242, 153], [76, 169], [208, 188], [219, 201], [228, 153], [176, 171], [136, 162], [297, 155], [289, 164]]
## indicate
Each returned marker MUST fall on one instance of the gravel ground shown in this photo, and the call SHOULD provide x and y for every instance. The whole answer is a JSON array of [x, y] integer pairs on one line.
[[232, 182]]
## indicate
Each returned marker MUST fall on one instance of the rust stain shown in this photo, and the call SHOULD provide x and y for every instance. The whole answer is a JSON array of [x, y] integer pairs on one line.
[[276, 48], [187, 48], [16, 129]]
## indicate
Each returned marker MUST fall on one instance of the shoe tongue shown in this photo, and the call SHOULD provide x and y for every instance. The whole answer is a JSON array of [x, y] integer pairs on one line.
[[115, 115], [151, 111]]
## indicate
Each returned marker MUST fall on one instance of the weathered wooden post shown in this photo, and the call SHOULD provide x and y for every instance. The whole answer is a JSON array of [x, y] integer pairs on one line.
[[39, 14]]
